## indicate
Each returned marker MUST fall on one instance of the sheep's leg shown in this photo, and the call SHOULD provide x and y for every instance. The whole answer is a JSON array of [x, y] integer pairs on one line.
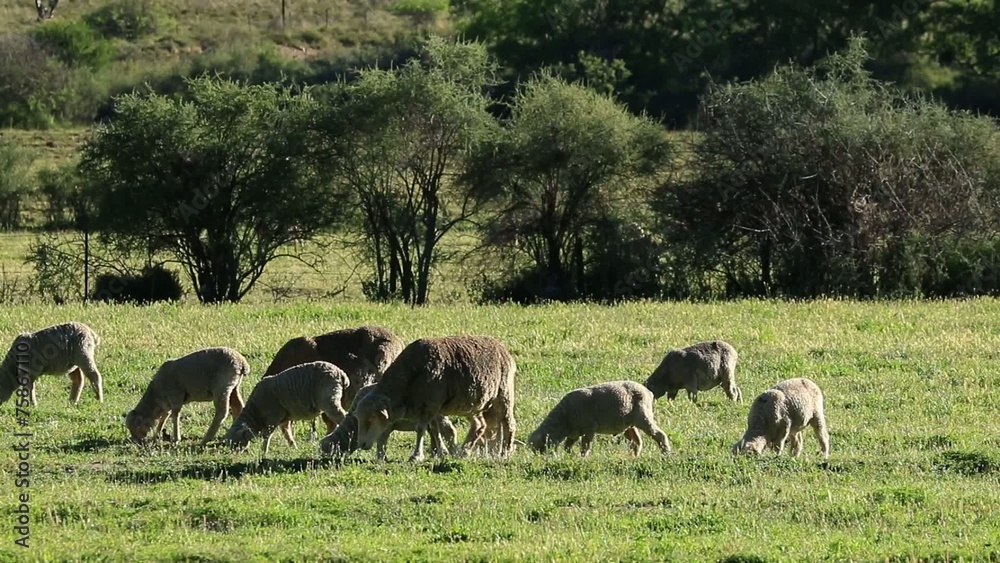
[[648, 425], [586, 441], [221, 410], [477, 430], [418, 448], [235, 402], [312, 429], [380, 446], [822, 434], [76, 385], [796, 443], [508, 427], [437, 448], [89, 369], [693, 394], [31, 392], [733, 392], [267, 442], [672, 394], [568, 444], [159, 424], [783, 430], [632, 435], [177, 424], [448, 433], [286, 431], [332, 421]]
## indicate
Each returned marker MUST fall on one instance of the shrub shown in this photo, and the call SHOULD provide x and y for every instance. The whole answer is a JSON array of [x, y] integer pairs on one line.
[[59, 188], [126, 19], [14, 184], [28, 78], [74, 43], [153, 284]]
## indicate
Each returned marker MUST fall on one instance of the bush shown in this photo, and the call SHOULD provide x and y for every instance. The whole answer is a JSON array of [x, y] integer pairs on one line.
[[74, 43], [153, 284], [421, 7], [824, 181], [126, 19], [28, 78], [59, 188], [14, 184]]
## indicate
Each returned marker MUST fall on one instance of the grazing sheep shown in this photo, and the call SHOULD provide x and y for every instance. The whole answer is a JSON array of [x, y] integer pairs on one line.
[[607, 408], [58, 349], [298, 393], [782, 412], [211, 374], [699, 367], [470, 376], [344, 438], [363, 353]]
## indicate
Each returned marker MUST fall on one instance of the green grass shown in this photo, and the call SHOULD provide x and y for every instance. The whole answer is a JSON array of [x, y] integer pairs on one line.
[[911, 402]]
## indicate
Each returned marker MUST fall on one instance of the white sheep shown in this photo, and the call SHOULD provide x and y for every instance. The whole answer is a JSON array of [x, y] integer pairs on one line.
[[613, 408], [63, 348], [698, 367], [344, 438], [781, 413], [211, 374], [298, 393], [363, 353], [469, 376]]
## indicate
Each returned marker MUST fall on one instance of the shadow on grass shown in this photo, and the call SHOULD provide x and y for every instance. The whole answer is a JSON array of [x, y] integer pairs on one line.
[[89, 445], [213, 471]]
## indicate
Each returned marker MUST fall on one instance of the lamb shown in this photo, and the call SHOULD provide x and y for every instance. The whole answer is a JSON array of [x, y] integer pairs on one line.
[[698, 367], [470, 376], [607, 408], [782, 412], [363, 353], [298, 393], [58, 349], [211, 374], [344, 438]]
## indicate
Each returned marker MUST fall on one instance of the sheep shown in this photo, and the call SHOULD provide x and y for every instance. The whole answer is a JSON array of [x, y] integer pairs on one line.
[[470, 376], [698, 367], [782, 412], [363, 353], [615, 407], [63, 348], [211, 374], [298, 393], [344, 438]]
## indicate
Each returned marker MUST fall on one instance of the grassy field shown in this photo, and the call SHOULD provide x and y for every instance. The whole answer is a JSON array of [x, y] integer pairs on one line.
[[911, 401]]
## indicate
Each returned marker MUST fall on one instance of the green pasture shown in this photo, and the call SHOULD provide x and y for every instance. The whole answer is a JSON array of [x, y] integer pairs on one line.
[[911, 395]]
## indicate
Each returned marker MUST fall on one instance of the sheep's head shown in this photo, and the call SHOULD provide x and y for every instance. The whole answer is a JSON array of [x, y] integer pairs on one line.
[[754, 445], [656, 385], [239, 435], [343, 439], [372, 414], [539, 441], [138, 425]]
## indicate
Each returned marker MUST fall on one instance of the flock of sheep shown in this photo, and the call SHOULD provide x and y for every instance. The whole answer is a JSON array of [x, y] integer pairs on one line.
[[365, 384]]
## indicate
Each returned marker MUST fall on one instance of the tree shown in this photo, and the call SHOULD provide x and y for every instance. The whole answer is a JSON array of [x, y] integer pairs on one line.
[[397, 137], [15, 184], [222, 182], [825, 181], [571, 163]]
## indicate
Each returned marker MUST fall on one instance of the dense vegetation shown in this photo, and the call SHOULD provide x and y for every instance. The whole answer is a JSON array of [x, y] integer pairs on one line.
[[819, 165]]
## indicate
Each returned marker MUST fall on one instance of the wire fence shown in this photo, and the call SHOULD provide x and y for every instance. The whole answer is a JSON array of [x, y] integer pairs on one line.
[[332, 272]]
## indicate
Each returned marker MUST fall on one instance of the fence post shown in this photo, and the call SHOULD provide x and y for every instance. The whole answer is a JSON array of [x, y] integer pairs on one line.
[[86, 264]]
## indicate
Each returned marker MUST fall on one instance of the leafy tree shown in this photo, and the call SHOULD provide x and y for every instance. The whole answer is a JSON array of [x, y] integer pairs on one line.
[[569, 166], [223, 182], [812, 181], [397, 137], [15, 184]]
